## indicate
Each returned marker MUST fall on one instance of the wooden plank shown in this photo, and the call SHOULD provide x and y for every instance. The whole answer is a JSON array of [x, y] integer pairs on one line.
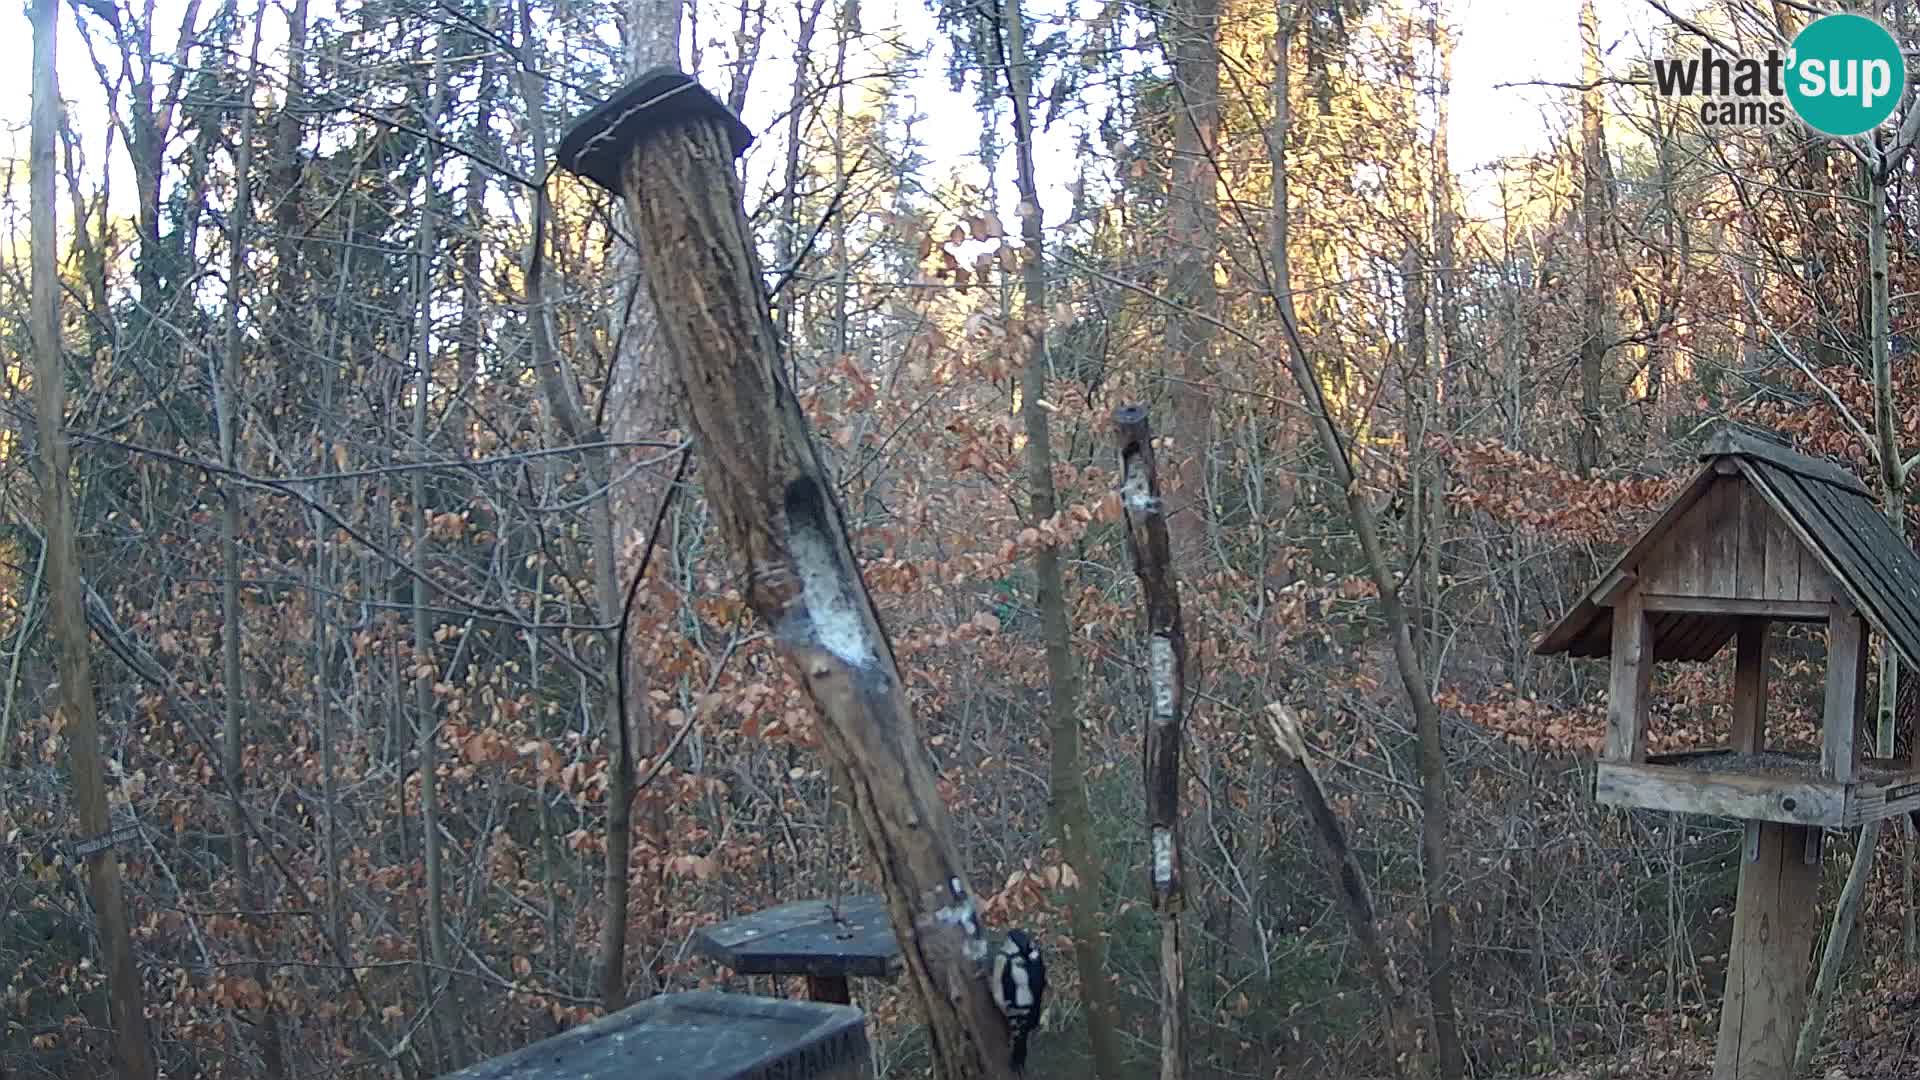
[[1720, 538], [1784, 610], [1755, 521], [1873, 802], [1632, 676], [1715, 794], [808, 937], [1752, 656], [1774, 922], [1845, 643], [1662, 626], [1782, 556], [1816, 585], [1614, 586]]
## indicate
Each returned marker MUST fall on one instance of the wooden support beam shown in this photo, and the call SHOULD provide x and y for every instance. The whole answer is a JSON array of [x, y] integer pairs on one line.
[[831, 989], [1632, 677], [1846, 649], [1614, 586], [1720, 794], [1751, 656], [1774, 924], [1785, 610]]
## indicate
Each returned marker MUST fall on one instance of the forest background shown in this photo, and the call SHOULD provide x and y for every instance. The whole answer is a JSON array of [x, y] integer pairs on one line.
[[362, 487]]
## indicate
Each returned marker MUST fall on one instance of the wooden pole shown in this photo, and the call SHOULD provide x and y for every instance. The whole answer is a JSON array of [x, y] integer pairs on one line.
[[668, 146], [1166, 677], [1777, 913], [1774, 924]]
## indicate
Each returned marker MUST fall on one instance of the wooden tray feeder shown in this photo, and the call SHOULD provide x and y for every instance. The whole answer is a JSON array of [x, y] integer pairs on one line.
[[704, 1035], [1761, 535], [826, 942]]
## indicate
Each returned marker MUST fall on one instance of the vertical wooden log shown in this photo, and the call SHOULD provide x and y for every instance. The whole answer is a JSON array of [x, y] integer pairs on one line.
[[1632, 676], [1751, 657], [1845, 653], [1148, 541], [1774, 924], [668, 146]]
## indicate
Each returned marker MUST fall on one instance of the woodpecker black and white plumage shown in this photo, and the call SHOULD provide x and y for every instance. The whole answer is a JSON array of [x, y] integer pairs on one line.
[[1020, 990]]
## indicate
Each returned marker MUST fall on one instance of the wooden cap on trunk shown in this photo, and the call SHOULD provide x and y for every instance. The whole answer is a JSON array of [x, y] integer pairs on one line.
[[597, 144]]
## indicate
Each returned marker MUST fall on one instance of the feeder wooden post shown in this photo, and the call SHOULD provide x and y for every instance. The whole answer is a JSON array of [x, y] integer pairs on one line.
[[1776, 915], [1774, 925], [1761, 535], [668, 147]]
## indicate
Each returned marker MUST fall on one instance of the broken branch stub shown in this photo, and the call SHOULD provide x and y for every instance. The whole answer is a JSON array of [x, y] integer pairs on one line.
[[1166, 646], [667, 147]]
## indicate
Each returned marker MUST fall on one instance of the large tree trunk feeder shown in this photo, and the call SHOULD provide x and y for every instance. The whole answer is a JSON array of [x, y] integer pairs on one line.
[[668, 146]]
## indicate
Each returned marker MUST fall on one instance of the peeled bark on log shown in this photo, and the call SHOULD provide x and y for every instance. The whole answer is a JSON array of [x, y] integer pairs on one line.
[[1147, 539], [668, 147]]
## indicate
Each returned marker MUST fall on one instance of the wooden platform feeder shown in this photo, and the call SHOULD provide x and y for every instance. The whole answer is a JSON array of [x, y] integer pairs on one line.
[[698, 1036], [1761, 535], [827, 942]]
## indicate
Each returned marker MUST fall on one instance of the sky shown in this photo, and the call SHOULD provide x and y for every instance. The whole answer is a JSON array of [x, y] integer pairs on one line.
[[1497, 42]]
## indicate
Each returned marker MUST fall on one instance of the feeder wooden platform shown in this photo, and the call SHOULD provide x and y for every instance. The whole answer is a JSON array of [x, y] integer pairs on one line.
[[1766, 786], [698, 1036], [826, 942]]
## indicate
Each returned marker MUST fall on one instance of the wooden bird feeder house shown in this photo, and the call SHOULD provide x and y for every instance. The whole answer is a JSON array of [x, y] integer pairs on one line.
[[1761, 535]]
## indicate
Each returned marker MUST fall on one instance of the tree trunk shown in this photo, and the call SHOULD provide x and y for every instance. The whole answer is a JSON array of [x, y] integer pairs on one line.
[[775, 505], [1417, 396], [1282, 729], [1067, 782], [1193, 222], [610, 959], [229, 407], [133, 1050], [638, 407], [1445, 380], [1892, 476], [423, 672], [1593, 303]]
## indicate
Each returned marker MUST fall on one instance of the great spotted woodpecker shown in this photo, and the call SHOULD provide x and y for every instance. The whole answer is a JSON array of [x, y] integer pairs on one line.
[[1020, 990]]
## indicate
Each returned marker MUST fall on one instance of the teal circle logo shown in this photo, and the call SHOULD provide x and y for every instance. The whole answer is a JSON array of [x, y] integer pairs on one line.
[[1845, 74]]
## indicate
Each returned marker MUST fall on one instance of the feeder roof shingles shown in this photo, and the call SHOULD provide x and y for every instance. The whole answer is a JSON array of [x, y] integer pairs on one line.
[[1828, 508]]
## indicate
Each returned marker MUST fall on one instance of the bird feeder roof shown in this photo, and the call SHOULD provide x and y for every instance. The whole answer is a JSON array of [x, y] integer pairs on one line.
[[1828, 512]]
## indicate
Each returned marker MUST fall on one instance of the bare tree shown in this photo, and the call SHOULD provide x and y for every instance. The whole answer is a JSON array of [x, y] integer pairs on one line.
[[1068, 779], [133, 1049]]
